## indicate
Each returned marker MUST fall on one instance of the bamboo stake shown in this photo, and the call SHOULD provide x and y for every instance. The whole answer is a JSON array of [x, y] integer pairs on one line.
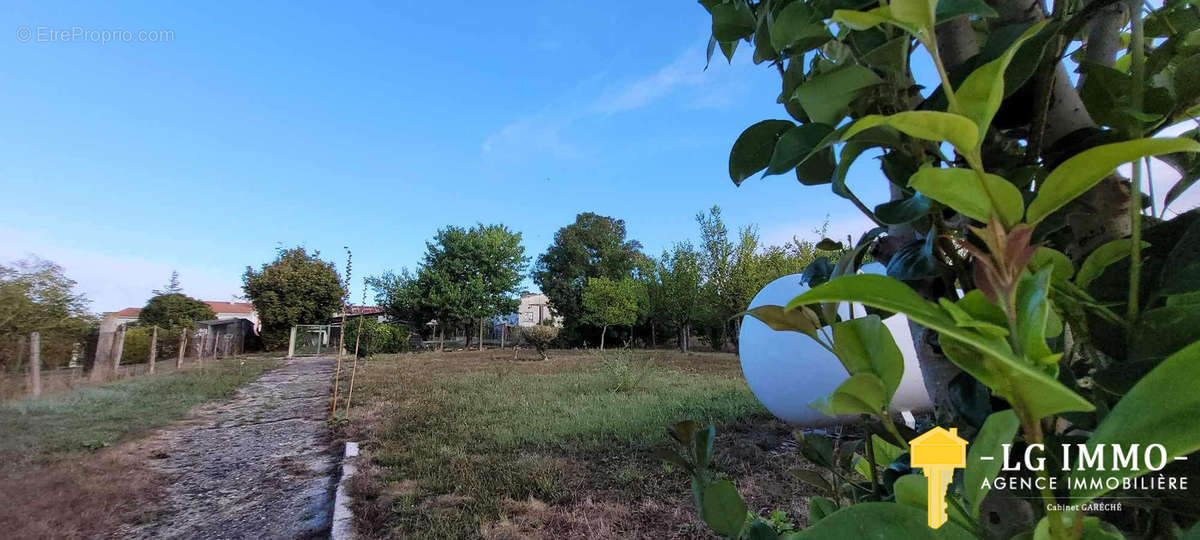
[[337, 374], [357, 340]]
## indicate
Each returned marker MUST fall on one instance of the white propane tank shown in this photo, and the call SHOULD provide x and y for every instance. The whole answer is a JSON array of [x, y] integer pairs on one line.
[[788, 370]]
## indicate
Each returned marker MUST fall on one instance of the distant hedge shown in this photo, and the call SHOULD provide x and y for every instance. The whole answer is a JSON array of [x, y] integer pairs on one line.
[[377, 337]]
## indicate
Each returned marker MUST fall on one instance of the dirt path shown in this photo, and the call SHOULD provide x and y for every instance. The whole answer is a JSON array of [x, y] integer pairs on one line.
[[257, 466]]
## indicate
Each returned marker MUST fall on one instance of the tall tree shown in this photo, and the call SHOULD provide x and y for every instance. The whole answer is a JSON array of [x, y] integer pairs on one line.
[[298, 287], [471, 274], [172, 287], [593, 246], [465, 275], [174, 310], [609, 302], [681, 289], [37, 296]]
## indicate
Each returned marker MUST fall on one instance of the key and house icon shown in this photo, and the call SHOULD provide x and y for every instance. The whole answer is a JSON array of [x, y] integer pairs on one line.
[[938, 452]]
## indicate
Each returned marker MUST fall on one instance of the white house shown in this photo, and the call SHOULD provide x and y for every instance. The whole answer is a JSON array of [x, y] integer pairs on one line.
[[535, 308]]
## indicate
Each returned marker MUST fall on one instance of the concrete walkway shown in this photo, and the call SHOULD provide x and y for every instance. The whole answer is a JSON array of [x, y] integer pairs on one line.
[[257, 466]]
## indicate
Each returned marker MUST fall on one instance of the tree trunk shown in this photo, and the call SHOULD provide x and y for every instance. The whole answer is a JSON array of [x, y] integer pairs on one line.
[[653, 337], [481, 334], [603, 330], [442, 340]]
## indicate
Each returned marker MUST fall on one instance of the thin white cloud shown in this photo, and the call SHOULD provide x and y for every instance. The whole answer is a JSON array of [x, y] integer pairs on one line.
[[684, 71], [534, 135], [546, 132]]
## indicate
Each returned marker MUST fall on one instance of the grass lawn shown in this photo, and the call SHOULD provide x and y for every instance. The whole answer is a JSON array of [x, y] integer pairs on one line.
[[56, 480], [470, 444]]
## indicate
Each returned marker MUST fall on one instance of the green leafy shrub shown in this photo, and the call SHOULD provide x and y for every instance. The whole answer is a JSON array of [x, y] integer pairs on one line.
[[541, 337], [1077, 316], [377, 337], [136, 349]]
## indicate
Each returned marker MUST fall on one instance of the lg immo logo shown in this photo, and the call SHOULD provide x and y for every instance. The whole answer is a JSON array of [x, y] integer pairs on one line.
[[938, 452]]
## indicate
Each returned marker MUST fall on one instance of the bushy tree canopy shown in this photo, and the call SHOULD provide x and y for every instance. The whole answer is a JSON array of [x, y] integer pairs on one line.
[[610, 302], [296, 288], [594, 246], [174, 310], [465, 275], [36, 296]]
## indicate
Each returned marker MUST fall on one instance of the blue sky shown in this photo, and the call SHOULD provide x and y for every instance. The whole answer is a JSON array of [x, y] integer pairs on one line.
[[369, 125]]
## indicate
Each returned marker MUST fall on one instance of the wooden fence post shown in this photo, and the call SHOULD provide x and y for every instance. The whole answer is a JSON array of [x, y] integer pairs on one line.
[[153, 347], [182, 348], [118, 349], [35, 362]]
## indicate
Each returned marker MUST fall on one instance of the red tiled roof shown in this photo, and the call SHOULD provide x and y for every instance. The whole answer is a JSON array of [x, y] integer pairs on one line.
[[230, 307], [364, 310], [217, 307]]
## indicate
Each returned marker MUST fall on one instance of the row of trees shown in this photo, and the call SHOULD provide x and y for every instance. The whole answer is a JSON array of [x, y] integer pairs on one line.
[[600, 282]]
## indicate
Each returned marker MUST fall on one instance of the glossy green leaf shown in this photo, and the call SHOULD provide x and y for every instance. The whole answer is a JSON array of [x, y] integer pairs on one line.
[[964, 319], [1033, 310], [753, 149], [880, 521], [819, 508], [761, 530], [892, 295], [912, 490], [1091, 529], [997, 430], [962, 190], [979, 96], [732, 21], [797, 29], [949, 9], [862, 393], [919, 13], [817, 272], [803, 321], [814, 479], [1162, 408], [1084, 170], [862, 20], [1101, 258], [763, 50], [796, 145], [826, 97], [723, 508], [1061, 267], [884, 452], [891, 56], [906, 210], [916, 259], [850, 153], [865, 345], [958, 130]]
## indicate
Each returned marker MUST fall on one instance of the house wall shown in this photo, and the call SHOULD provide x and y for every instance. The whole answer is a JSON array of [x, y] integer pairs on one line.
[[534, 309]]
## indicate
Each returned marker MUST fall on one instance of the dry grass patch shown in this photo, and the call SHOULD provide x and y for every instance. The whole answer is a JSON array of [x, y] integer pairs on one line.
[[476, 444], [67, 473]]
